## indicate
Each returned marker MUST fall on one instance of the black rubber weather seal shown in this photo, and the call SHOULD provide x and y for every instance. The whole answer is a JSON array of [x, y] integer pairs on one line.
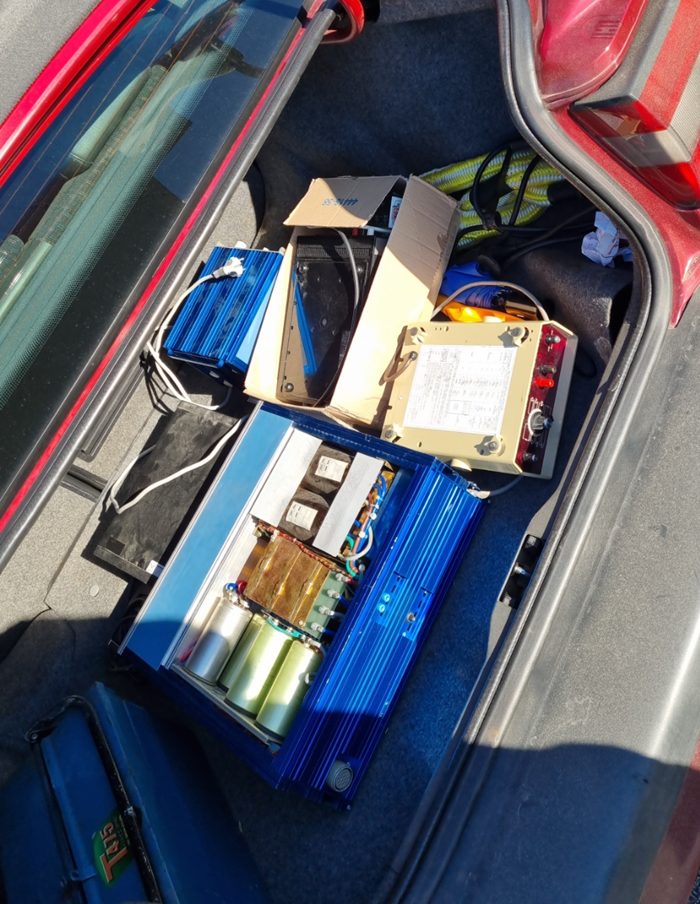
[[414, 875]]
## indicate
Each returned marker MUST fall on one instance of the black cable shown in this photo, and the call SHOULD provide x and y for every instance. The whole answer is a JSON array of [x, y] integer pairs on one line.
[[489, 264], [474, 190], [572, 219], [533, 246], [355, 310], [560, 227], [516, 229], [521, 189], [490, 224]]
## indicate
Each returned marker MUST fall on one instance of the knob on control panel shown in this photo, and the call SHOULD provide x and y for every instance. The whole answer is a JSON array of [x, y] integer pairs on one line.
[[538, 422]]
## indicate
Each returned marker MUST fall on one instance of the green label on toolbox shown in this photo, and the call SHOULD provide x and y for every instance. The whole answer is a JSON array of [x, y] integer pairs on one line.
[[111, 849]]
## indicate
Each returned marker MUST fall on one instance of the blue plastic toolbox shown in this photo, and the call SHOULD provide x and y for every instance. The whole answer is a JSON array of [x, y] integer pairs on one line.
[[421, 531], [116, 806]]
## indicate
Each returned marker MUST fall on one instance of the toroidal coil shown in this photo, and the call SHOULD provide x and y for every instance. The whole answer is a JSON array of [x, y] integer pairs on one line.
[[259, 668], [289, 688], [223, 630], [235, 663]]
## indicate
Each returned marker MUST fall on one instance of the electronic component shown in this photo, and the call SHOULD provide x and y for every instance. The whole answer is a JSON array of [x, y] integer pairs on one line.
[[327, 470], [289, 688], [223, 630], [330, 281], [219, 322], [483, 395], [289, 472], [361, 535], [304, 515], [361, 633], [347, 502], [296, 585], [234, 665], [258, 667], [267, 582]]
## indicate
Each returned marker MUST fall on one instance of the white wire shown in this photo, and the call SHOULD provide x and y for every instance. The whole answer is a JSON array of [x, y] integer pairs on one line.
[[173, 384], [116, 484], [358, 555], [493, 282], [353, 267], [508, 486], [174, 387], [160, 332], [114, 489], [171, 381], [488, 494]]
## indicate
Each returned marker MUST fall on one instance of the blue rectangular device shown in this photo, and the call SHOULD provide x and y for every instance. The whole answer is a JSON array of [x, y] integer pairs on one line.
[[370, 626], [219, 322]]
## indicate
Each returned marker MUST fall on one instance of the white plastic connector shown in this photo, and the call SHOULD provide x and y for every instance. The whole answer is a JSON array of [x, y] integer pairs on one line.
[[232, 267]]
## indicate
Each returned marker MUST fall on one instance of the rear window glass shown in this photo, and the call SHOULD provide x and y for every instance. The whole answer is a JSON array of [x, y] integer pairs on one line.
[[99, 198]]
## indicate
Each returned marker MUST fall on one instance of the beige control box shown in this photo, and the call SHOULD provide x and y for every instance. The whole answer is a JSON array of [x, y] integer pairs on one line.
[[482, 395]]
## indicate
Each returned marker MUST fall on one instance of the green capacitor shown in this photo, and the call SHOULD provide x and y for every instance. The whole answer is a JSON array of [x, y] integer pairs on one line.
[[289, 688], [259, 668], [237, 658]]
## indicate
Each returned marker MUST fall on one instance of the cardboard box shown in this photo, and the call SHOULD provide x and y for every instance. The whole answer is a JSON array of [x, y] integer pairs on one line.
[[404, 288]]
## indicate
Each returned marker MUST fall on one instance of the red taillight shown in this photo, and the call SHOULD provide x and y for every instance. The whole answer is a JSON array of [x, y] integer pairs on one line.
[[581, 43], [648, 113]]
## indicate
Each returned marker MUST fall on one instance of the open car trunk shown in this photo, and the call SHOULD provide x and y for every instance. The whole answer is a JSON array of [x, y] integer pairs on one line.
[[405, 98]]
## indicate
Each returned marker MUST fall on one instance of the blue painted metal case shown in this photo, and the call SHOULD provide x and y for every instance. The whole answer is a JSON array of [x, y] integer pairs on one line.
[[219, 322], [63, 836], [421, 538]]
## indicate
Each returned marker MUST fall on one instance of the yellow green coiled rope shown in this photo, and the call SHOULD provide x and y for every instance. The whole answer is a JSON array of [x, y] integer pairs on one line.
[[460, 177]]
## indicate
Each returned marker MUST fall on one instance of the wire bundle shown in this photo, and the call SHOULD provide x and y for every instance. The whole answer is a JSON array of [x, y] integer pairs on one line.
[[358, 549], [525, 177]]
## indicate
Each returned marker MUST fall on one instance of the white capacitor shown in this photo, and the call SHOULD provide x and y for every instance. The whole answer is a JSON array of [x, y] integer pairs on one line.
[[223, 630]]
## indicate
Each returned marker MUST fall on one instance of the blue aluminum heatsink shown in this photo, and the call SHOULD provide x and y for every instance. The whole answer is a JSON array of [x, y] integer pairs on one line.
[[219, 322], [427, 522]]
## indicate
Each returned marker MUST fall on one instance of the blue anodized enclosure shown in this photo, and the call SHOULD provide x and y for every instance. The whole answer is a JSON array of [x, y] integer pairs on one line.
[[422, 533]]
